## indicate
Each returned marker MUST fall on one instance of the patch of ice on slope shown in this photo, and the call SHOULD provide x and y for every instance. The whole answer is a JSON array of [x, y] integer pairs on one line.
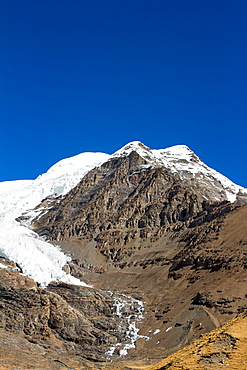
[[130, 310]]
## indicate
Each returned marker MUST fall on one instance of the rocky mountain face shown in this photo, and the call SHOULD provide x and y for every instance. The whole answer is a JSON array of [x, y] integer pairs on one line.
[[152, 230], [127, 200], [60, 323]]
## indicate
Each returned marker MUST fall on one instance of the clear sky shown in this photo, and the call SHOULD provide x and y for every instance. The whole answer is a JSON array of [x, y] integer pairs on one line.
[[92, 75]]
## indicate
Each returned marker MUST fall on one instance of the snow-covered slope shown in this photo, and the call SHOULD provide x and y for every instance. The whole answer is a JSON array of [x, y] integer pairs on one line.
[[58, 180], [38, 259]]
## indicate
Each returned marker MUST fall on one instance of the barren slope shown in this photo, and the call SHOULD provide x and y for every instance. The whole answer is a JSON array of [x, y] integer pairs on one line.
[[225, 347]]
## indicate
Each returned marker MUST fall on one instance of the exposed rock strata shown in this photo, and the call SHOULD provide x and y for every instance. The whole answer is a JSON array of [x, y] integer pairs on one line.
[[121, 202], [64, 318]]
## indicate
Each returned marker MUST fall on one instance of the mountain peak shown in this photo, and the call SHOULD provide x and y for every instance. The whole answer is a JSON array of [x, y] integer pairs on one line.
[[136, 146], [155, 155], [181, 160], [178, 152]]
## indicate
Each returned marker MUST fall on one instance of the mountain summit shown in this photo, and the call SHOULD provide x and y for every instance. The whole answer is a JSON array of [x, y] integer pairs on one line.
[[180, 159]]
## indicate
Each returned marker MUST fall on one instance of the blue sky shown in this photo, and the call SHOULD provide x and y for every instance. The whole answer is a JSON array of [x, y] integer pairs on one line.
[[92, 75]]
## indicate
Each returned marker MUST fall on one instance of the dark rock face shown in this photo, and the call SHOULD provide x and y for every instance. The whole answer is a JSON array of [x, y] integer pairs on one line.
[[202, 299]]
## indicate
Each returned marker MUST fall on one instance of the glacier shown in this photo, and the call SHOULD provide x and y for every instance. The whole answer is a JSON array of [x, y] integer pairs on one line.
[[38, 259]]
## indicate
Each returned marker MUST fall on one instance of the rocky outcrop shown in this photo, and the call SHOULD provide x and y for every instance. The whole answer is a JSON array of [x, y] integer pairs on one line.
[[70, 318]]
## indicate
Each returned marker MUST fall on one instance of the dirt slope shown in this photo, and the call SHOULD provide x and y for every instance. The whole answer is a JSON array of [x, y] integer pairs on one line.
[[224, 347]]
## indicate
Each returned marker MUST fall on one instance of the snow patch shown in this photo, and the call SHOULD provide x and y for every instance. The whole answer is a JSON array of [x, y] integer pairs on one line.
[[156, 331]]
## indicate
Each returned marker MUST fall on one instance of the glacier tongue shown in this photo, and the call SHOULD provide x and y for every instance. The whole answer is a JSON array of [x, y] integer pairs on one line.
[[39, 260]]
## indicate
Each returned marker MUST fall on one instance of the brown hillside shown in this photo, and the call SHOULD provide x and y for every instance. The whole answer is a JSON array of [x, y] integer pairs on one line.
[[225, 347]]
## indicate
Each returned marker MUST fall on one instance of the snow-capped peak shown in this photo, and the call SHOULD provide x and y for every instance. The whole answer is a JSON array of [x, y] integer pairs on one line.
[[133, 146], [180, 159], [156, 155], [177, 151], [74, 165]]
